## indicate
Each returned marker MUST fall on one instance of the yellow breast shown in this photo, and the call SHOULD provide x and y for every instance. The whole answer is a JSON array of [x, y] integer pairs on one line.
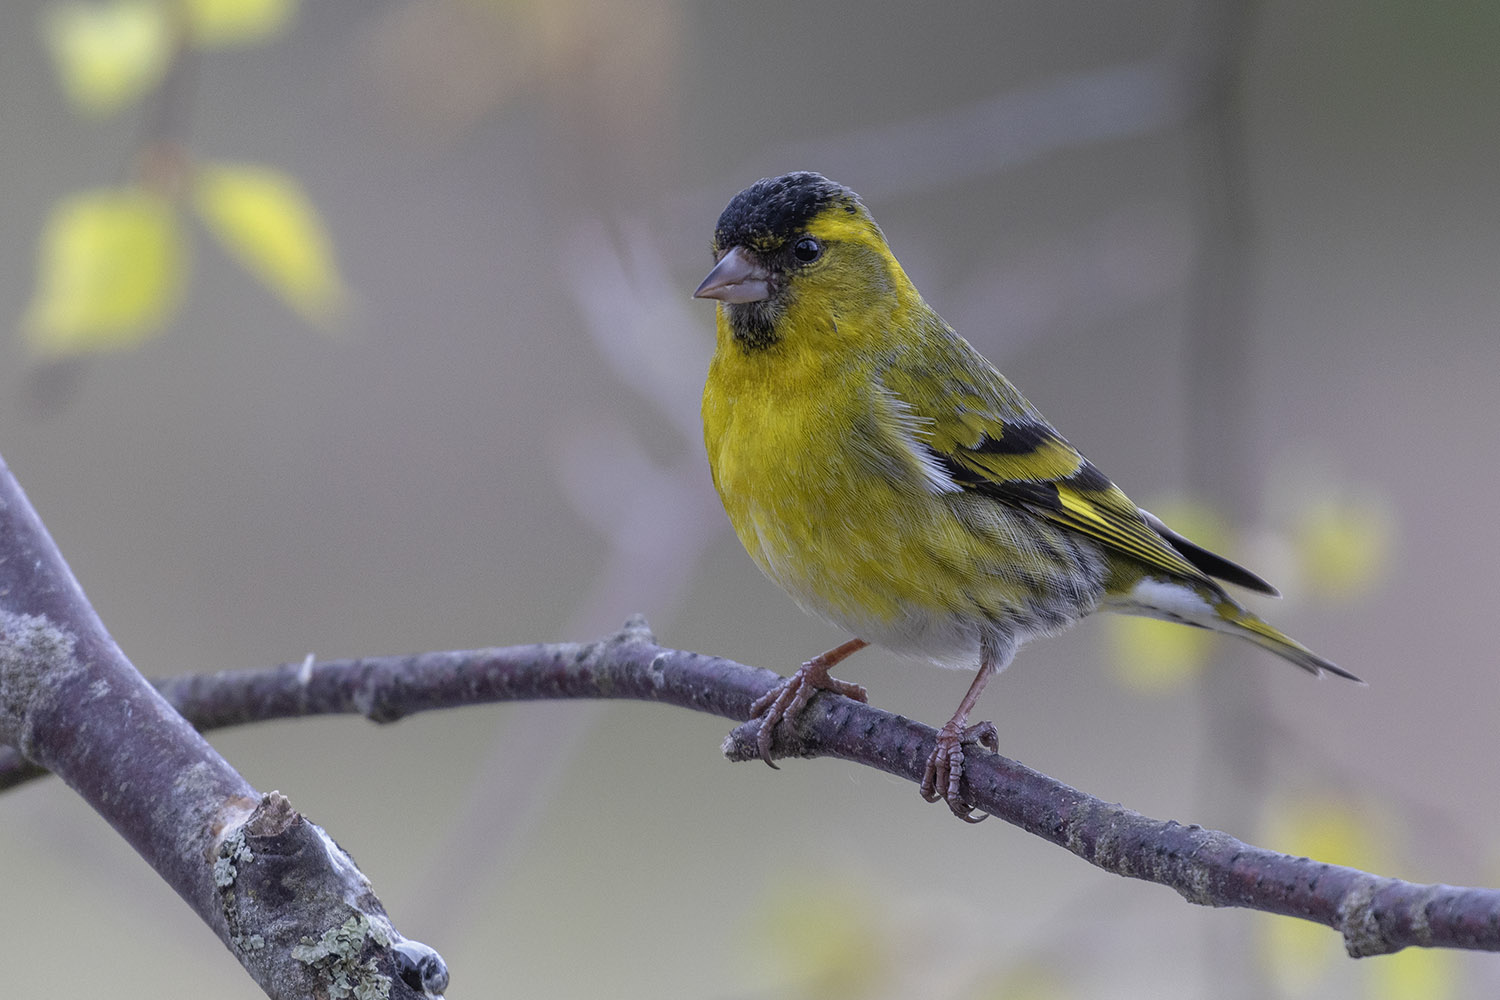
[[829, 493]]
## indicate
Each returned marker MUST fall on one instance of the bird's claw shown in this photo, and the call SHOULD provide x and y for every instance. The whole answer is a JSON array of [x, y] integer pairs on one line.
[[985, 734], [787, 700], [945, 768]]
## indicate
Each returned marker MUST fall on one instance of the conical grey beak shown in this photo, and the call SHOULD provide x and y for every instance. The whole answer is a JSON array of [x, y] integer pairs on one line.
[[737, 277]]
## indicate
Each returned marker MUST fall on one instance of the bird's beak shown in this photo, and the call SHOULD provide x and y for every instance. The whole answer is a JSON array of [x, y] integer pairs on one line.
[[737, 277]]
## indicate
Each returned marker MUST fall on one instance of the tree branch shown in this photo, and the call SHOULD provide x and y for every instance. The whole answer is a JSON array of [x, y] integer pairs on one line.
[[1375, 915], [284, 898]]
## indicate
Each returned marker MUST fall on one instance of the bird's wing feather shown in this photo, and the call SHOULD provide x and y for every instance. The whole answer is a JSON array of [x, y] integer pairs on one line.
[[1081, 498], [991, 442], [1211, 563]]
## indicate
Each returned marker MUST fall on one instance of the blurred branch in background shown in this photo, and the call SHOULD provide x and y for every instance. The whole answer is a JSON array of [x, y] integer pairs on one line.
[[999, 133], [1082, 278], [656, 517], [1221, 467], [1375, 915], [1218, 373]]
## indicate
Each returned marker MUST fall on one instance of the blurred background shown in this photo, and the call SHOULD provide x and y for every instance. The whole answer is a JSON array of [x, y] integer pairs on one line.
[[403, 358]]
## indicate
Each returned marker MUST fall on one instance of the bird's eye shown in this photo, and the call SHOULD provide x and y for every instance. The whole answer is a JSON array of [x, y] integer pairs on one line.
[[807, 250]]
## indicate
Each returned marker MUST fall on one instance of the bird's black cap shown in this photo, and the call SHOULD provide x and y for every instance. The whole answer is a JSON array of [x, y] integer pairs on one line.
[[773, 209]]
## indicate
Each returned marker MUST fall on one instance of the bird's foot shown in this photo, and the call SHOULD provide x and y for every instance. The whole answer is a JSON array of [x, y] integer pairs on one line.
[[787, 699], [945, 768]]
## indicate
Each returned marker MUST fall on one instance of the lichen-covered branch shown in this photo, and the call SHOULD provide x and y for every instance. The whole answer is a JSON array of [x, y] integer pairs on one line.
[[1375, 915], [281, 895]]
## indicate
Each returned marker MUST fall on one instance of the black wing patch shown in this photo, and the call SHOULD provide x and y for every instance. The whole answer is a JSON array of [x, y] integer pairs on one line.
[[1210, 563]]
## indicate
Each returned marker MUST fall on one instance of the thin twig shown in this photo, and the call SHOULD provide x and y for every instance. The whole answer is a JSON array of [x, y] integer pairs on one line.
[[1375, 915]]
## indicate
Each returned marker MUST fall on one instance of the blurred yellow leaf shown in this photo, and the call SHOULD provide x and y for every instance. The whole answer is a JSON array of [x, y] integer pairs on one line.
[[236, 22], [108, 54], [109, 274], [1299, 953], [264, 219], [1154, 656], [822, 940], [1413, 974], [1329, 829], [1344, 543], [1030, 980]]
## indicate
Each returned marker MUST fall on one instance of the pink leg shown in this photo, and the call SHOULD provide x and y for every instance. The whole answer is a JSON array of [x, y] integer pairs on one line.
[[945, 768], [787, 699]]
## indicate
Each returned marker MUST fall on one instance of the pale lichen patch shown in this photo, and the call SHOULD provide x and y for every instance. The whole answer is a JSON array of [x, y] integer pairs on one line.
[[35, 656], [336, 956]]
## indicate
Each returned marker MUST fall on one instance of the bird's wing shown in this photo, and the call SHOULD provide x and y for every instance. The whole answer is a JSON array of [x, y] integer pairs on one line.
[[1027, 464], [990, 441]]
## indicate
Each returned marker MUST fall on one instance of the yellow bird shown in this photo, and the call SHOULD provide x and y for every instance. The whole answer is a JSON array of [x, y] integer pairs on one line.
[[894, 483]]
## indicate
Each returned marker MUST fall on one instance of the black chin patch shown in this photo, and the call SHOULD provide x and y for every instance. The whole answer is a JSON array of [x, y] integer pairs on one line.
[[753, 323], [772, 210]]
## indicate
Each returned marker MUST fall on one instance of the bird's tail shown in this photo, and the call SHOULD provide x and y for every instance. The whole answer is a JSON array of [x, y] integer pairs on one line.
[[1202, 603], [1235, 620]]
